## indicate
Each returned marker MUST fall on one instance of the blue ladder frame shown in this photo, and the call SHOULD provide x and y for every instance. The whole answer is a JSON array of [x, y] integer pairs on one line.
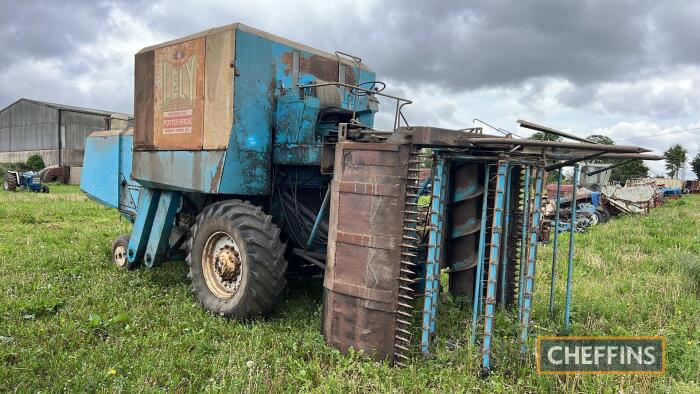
[[523, 240], [531, 255], [506, 236], [555, 247], [494, 261], [435, 237], [480, 256], [570, 268]]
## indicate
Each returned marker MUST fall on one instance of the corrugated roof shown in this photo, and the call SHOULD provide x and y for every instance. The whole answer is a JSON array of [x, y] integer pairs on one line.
[[74, 109]]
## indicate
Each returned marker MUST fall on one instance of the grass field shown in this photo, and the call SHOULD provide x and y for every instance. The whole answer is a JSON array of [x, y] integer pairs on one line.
[[70, 321]]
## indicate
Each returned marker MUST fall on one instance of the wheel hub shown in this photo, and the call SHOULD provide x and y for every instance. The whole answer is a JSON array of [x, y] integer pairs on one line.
[[222, 265], [120, 256], [227, 264]]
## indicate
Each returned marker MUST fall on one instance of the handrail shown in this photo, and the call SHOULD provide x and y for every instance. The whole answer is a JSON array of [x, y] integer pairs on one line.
[[400, 102]]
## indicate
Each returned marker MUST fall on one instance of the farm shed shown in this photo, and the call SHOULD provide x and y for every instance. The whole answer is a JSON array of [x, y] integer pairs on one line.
[[56, 132]]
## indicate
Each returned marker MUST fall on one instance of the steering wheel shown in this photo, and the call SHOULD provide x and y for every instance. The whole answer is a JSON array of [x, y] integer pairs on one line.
[[376, 86]]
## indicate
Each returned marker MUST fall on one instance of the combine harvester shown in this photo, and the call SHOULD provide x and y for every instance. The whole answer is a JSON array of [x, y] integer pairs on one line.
[[249, 151]]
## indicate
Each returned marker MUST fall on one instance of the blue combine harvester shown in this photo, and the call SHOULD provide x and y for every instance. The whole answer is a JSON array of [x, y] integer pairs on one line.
[[250, 151]]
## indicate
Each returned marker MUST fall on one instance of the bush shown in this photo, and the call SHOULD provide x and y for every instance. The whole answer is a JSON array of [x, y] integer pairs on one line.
[[35, 163], [19, 166]]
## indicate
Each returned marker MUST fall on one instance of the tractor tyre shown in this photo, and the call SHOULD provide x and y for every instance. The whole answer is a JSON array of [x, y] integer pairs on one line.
[[119, 249], [44, 189], [9, 183], [236, 260]]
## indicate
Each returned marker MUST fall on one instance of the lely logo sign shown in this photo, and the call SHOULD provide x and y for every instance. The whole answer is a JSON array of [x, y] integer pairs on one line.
[[601, 355]]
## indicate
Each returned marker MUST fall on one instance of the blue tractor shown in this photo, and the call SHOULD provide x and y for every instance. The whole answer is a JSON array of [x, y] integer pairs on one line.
[[29, 180]]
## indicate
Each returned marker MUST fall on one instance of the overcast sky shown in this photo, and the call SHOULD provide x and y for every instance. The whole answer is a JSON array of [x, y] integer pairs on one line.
[[625, 69]]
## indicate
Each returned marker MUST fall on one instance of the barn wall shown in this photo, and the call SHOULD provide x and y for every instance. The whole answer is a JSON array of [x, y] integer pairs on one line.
[[75, 128], [50, 156], [27, 126]]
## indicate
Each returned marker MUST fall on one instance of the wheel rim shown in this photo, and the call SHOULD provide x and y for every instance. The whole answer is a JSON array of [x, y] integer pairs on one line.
[[120, 255], [594, 219], [222, 265]]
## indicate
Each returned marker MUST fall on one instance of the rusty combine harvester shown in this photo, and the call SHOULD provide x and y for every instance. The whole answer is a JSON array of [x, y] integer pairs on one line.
[[253, 156]]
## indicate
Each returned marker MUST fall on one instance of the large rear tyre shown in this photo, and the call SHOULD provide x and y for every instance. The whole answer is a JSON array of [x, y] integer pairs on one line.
[[236, 260], [9, 183]]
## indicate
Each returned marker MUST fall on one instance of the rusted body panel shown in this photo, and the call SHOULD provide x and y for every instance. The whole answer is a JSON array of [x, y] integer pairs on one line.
[[178, 107], [365, 229]]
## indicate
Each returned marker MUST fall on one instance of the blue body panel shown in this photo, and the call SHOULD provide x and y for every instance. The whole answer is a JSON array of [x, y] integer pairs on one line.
[[182, 170], [158, 240], [106, 174], [100, 176]]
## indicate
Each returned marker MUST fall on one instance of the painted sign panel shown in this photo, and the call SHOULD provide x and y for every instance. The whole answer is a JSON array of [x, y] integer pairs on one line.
[[644, 355], [179, 95], [175, 122]]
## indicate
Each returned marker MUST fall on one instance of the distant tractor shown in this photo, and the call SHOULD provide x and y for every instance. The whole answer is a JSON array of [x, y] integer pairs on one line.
[[28, 180]]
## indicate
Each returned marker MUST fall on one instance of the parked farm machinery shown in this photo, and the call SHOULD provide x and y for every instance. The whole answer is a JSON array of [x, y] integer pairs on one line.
[[28, 180], [253, 157]]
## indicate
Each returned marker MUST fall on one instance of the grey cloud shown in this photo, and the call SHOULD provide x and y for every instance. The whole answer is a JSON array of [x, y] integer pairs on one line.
[[453, 45]]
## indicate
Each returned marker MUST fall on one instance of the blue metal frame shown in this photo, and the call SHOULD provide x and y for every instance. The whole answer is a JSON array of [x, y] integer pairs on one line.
[[506, 235], [148, 204], [570, 268], [523, 240], [432, 270], [159, 239], [494, 261], [556, 244], [440, 252], [532, 254], [480, 255]]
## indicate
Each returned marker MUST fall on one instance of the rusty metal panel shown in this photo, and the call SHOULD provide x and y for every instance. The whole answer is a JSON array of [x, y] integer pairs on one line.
[[218, 94], [143, 100], [365, 230], [465, 225], [179, 96]]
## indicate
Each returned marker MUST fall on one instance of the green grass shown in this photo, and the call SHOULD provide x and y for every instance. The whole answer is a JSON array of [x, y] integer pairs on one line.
[[69, 321]]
